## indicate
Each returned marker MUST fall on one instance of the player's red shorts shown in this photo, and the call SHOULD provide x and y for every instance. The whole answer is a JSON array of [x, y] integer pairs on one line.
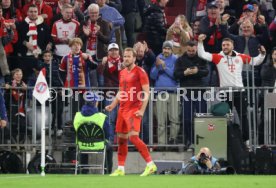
[[127, 121]]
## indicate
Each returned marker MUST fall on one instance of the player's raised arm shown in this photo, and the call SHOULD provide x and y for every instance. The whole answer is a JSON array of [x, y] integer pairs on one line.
[[200, 49], [260, 58]]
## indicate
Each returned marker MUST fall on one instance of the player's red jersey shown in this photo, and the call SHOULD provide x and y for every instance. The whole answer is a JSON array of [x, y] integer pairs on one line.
[[130, 83]]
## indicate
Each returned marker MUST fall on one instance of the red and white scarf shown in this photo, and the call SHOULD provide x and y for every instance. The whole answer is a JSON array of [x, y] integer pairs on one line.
[[114, 64], [80, 69], [216, 35], [92, 40], [32, 33], [18, 95]]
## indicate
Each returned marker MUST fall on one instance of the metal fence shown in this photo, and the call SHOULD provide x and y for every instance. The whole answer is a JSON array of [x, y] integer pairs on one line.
[[167, 122]]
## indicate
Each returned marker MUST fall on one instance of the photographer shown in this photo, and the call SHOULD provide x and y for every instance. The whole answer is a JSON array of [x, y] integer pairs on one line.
[[202, 163]]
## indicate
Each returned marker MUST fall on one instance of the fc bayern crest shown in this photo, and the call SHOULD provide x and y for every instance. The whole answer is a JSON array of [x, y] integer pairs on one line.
[[41, 87], [211, 127]]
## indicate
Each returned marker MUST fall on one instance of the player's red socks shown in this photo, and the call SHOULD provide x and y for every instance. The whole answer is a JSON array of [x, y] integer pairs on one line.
[[141, 146], [122, 151]]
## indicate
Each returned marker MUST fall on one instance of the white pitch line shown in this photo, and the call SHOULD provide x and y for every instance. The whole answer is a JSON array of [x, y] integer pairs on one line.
[[15, 177]]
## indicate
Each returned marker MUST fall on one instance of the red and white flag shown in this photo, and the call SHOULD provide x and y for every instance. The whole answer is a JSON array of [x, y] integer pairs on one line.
[[41, 90]]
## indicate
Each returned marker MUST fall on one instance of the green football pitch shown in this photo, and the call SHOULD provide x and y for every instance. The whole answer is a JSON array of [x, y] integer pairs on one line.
[[134, 181]]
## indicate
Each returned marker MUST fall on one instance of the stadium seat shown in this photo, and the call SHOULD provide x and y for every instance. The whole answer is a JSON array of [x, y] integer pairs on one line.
[[90, 140]]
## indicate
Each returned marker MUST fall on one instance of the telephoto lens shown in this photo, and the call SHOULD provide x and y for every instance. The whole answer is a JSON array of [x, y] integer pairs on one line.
[[202, 158]]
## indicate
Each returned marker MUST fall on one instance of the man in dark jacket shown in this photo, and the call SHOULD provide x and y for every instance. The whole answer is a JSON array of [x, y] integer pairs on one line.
[[33, 38], [95, 33], [210, 26], [145, 56], [190, 70], [268, 74], [130, 8], [109, 70], [155, 25], [34, 35]]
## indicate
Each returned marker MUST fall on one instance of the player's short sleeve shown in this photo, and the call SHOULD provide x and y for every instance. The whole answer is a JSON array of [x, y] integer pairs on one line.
[[143, 77]]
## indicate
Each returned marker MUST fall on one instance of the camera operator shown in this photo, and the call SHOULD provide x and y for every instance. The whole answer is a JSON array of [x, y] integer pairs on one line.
[[202, 163]]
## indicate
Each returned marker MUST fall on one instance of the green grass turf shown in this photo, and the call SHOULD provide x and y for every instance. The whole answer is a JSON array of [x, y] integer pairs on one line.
[[134, 181]]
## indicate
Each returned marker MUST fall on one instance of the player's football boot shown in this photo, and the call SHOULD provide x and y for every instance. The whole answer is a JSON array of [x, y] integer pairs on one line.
[[118, 172], [151, 169]]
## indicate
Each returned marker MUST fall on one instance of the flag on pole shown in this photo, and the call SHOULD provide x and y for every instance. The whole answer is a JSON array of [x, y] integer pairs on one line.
[[41, 91]]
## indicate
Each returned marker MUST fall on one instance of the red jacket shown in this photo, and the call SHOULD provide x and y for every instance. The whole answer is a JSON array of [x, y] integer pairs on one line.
[[3, 32], [9, 14]]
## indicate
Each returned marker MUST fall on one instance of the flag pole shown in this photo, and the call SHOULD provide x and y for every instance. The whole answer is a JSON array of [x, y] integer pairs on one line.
[[42, 94], [42, 139]]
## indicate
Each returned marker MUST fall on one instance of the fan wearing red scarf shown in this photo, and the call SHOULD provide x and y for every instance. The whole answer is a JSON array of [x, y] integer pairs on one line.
[[43, 9], [18, 91], [210, 25], [6, 35], [8, 29], [76, 65], [111, 66], [33, 36], [10, 11], [110, 69], [95, 33]]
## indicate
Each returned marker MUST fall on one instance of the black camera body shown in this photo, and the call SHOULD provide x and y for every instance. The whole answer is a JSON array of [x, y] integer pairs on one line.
[[203, 157]]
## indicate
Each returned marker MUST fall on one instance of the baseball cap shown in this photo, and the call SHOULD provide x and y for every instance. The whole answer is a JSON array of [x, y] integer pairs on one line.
[[113, 46], [212, 4], [248, 7]]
